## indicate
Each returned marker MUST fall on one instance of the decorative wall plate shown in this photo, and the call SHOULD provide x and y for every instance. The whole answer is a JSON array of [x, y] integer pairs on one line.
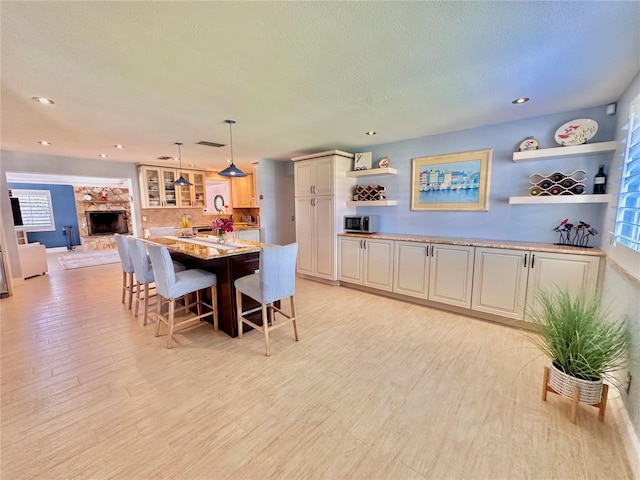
[[384, 163], [529, 143], [576, 132]]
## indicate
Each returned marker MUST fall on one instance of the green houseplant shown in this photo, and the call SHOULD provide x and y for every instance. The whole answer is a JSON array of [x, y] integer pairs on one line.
[[585, 341]]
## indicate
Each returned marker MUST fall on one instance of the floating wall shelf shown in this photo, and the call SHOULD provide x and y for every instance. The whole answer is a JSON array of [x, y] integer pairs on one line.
[[532, 199], [372, 172], [570, 151], [372, 203]]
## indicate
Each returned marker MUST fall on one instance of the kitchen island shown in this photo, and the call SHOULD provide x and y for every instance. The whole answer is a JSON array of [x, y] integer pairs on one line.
[[229, 261]]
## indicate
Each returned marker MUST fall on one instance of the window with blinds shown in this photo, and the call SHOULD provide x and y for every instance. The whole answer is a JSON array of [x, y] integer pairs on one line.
[[627, 229], [35, 206]]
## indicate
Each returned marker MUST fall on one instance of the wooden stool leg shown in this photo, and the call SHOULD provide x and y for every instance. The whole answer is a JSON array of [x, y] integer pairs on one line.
[[293, 314], [239, 312], [545, 383], [603, 402], [265, 327], [124, 285], [172, 313], [574, 403], [136, 309], [146, 303], [158, 313], [214, 306]]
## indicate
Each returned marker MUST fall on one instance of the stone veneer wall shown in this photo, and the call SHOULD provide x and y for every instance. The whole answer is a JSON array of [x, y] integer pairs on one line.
[[103, 199]]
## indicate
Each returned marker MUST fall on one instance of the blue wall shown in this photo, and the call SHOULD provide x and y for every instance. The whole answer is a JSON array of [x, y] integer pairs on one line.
[[64, 213], [502, 221]]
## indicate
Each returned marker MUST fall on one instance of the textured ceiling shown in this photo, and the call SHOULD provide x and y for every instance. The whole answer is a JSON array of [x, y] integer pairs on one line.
[[298, 77]]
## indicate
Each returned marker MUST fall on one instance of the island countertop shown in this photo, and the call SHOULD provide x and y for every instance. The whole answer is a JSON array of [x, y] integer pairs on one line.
[[482, 242], [206, 247]]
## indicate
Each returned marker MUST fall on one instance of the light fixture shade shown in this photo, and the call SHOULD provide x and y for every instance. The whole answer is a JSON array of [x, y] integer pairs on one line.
[[181, 181], [232, 171]]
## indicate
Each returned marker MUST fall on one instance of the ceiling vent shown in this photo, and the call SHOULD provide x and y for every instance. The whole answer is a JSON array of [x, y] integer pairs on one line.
[[211, 144], [165, 158]]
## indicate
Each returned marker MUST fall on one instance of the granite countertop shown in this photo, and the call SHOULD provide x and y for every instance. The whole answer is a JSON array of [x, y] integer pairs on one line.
[[481, 242], [206, 247]]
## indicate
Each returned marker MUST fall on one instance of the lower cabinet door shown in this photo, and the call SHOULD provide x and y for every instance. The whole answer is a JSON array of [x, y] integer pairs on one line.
[[500, 281], [548, 271], [411, 272], [350, 260], [451, 274], [378, 264]]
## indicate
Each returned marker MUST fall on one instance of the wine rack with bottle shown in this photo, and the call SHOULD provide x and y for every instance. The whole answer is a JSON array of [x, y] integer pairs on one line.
[[365, 193], [558, 183]]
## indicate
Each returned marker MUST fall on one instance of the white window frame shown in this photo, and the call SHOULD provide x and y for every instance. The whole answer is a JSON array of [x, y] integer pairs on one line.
[[28, 198], [627, 224]]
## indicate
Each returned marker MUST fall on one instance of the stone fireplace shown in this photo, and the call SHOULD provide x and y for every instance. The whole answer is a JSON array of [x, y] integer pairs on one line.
[[102, 211]]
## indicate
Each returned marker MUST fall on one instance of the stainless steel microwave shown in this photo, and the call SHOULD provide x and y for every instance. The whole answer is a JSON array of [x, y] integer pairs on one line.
[[361, 223]]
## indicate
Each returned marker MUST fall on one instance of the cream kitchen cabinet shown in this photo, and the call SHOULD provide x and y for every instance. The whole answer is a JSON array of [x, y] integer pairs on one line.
[[451, 274], [315, 236], [242, 193], [367, 262], [411, 270], [561, 270], [500, 281], [437, 272], [250, 234], [314, 177], [321, 193], [193, 196], [156, 186], [507, 282]]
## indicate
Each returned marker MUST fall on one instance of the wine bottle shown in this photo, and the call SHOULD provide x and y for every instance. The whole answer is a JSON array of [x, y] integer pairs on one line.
[[600, 181]]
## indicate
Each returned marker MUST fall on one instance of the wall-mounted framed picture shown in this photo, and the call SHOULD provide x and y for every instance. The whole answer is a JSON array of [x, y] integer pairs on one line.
[[363, 161], [454, 181]]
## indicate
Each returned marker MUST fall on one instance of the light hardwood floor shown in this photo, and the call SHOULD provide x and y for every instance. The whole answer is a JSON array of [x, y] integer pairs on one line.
[[375, 389]]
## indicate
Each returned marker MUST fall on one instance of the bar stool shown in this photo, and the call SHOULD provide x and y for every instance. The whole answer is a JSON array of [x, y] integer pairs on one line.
[[275, 280], [127, 268], [144, 273], [172, 285]]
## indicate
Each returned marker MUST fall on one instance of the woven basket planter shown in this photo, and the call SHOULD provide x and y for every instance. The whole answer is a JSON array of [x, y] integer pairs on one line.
[[590, 390]]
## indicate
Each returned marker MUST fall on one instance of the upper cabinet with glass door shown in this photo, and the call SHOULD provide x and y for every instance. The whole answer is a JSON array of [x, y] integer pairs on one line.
[[158, 189], [193, 196]]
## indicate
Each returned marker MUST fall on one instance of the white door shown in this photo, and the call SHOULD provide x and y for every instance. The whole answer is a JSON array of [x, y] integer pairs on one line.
[[378, 264], [350, 259], [451, 274], [411, 272], [500, 281]]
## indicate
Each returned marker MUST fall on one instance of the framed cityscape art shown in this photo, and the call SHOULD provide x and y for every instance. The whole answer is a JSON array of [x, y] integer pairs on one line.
[[454, 181]]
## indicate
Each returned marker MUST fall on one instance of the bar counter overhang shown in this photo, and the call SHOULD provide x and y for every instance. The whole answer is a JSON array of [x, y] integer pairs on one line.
[[229, 261]]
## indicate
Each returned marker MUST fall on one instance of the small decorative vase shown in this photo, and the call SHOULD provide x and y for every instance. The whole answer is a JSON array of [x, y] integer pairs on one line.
[[222, 237]]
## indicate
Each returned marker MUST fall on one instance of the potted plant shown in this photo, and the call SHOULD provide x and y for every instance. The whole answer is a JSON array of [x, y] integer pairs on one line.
[[585, 341]]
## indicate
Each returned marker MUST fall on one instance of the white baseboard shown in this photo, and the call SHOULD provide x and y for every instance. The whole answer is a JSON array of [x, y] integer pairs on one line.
[[628, 434], [56, 249]]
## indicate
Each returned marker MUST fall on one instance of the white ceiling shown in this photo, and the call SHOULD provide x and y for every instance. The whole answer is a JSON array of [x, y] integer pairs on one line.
[[298, 77]]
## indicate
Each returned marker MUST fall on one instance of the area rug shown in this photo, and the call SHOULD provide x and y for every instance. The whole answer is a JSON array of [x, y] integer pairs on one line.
[[88, 259]]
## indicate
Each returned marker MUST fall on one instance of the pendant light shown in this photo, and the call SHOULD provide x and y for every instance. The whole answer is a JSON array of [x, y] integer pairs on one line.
[[231, 170], [181, 181]]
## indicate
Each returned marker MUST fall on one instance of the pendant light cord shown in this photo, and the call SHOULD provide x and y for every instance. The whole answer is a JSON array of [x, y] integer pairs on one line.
[[231, 139]]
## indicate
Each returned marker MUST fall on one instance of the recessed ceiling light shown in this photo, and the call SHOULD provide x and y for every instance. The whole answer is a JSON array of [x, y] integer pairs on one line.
[[44, 101], [370, 133], [520, 100], [117, 145], [44, 142], [103, 155], [228, 160], [192, 164]]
